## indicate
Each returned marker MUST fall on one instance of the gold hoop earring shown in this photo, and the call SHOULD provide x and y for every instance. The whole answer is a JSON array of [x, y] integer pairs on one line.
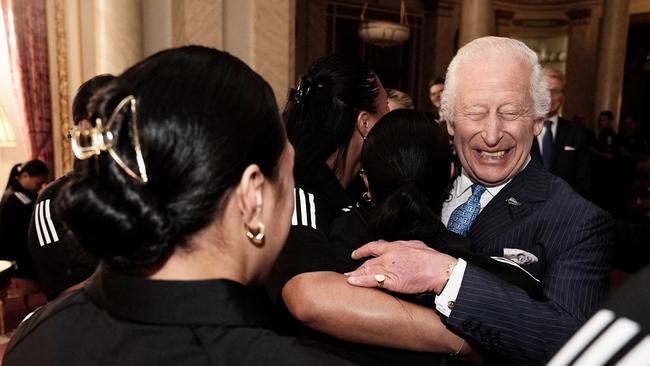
[[257, 237], [366, 197]]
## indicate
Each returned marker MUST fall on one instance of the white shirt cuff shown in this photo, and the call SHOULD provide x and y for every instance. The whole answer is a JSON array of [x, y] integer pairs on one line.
[[447, 299]]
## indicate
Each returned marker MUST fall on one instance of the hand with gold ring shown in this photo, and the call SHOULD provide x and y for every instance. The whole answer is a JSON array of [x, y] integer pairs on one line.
[[407, 267], [380, 278]]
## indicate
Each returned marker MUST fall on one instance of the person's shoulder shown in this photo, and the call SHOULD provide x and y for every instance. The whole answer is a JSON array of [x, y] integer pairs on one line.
[[50, 320], [559, 194], [16, 198], [569, 205]]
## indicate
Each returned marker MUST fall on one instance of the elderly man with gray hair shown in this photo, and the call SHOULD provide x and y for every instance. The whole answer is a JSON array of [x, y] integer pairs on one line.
[[510, 208]]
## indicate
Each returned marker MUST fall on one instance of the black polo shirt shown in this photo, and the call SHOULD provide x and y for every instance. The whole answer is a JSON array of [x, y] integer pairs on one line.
[[123, 320], [318, 197], [15, 212], [59, 259]]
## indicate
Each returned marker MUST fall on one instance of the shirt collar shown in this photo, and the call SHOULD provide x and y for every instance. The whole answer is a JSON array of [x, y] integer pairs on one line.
[[463, 183], [205, 302]]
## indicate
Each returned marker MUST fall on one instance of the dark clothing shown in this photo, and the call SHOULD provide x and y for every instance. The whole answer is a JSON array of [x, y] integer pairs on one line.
[[607, 141], [318, 199], [608, 189], [59, 260], [571, 155], [569, 237], [628, 309], [124, 320], [15, 213], [352, 229]]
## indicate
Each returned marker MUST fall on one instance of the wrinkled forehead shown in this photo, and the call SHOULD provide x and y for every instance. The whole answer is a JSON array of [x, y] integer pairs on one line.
[[493, 82]]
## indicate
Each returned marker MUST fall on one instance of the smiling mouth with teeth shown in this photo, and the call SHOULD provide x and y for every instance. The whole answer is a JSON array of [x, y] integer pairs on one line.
[[493, 155]]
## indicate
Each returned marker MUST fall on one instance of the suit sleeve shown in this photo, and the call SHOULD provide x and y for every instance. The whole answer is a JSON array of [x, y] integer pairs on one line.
[[503, 319]]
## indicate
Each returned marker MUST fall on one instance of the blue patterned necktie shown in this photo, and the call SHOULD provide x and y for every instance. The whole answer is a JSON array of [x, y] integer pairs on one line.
[[547, 145], [461, 219]]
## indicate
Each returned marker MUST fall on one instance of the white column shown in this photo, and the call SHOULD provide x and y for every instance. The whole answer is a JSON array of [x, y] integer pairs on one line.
[[611, 56]]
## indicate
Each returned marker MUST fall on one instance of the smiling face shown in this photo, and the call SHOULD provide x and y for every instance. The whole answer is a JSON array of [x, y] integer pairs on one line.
[[493, 126]]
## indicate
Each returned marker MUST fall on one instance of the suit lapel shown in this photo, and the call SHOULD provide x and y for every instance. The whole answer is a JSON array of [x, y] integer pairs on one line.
[[511, 204]]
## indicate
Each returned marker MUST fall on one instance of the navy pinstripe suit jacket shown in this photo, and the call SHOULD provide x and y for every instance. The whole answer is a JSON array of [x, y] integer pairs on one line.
[[571, 239]]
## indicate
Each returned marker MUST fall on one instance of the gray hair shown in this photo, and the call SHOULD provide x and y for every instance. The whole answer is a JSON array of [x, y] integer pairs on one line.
[[481, 48]]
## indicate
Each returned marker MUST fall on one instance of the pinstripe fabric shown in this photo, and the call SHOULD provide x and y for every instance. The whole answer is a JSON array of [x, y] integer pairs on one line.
[[570, 236]]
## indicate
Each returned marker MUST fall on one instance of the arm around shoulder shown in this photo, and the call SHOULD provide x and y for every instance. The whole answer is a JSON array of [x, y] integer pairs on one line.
[[326, 302]]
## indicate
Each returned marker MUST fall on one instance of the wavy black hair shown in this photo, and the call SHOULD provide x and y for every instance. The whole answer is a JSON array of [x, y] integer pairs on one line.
[[321, 113], [406, 159], [82, 100], [203, 117]]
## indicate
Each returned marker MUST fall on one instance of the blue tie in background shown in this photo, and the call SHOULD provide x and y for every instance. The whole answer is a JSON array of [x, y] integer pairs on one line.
[[547, 145], [461, 219]]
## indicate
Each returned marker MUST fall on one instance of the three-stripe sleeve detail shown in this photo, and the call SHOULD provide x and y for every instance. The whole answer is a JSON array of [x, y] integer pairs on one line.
[[304, 210], [603, 339], [45, 230]]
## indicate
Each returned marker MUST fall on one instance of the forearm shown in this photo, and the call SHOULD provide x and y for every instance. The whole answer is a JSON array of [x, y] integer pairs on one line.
[[324, 301]]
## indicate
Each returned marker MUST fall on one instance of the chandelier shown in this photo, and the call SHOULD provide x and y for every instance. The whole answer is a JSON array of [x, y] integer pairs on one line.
[[384, 33]]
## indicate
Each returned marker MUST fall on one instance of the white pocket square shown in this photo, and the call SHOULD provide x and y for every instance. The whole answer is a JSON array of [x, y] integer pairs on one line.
[[519, 256], [569, 148]]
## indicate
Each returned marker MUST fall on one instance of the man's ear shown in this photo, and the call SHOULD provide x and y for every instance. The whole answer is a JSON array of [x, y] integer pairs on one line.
[[363, 126], [249, 195], [450, 128], [538, 125]]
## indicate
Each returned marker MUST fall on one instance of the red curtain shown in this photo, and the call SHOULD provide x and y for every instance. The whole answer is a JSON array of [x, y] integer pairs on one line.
[[26, 30]]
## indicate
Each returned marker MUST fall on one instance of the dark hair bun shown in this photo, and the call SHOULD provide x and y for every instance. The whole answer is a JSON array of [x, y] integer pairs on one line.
[[406, 158], [203, 116], [321, 112]]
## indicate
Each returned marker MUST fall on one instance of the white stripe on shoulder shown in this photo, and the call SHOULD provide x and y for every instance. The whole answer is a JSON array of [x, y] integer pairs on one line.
[[312, 210], [42, 219], [638, 355], [50, 224], [37, 223], [303, 207], [582, 338], [294, 216], [23, 198], [611, 341]]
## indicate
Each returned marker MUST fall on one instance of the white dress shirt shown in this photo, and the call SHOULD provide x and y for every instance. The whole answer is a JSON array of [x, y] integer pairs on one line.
[[460, 193]]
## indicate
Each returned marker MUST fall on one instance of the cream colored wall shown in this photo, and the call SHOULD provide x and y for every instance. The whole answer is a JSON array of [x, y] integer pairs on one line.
[[107, 36], [238, 28], [156, 25]]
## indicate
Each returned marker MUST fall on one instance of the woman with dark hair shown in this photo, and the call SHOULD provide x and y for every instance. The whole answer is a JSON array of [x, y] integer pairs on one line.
[[406, 166], [61, 263], [25, 180], [327, 118], [185, 196]]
